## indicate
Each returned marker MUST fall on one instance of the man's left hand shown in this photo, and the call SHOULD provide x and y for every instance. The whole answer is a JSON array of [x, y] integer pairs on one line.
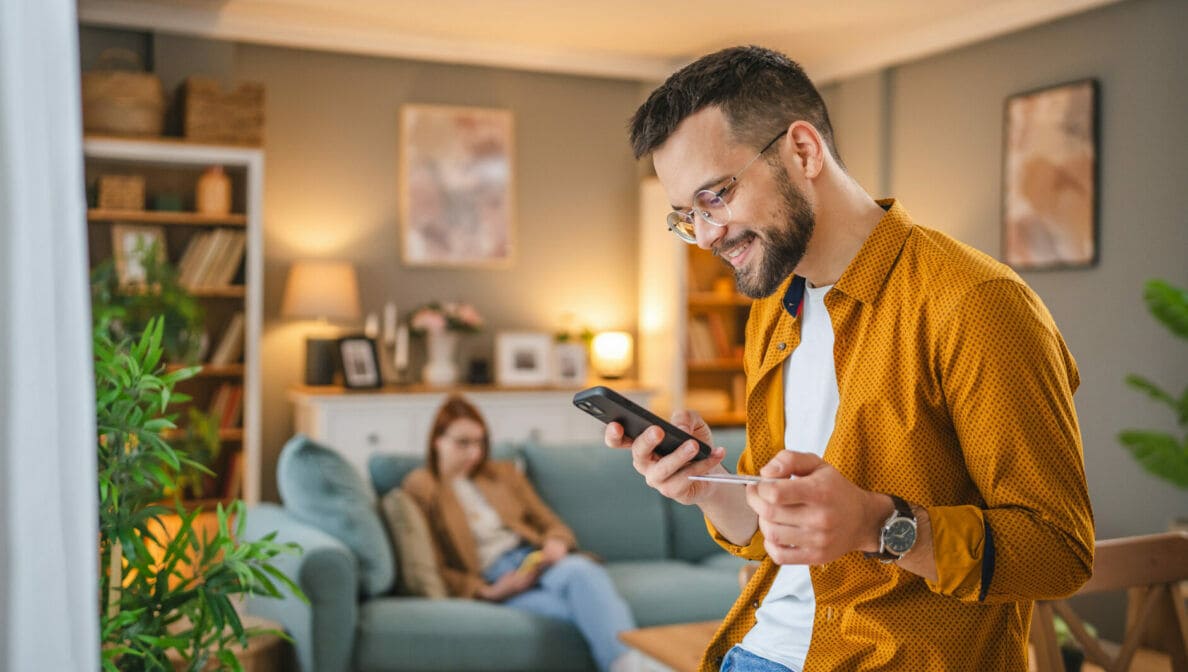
[[816, 517]]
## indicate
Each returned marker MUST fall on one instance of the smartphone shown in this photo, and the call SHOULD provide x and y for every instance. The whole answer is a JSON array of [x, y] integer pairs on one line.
[[610, 406]]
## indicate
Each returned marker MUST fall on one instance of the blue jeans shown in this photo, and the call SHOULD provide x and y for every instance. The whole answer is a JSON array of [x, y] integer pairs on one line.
[[739, 659], [576, 590]]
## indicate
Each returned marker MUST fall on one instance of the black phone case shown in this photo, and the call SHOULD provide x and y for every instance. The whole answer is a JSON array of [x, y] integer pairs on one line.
[[610, 406]]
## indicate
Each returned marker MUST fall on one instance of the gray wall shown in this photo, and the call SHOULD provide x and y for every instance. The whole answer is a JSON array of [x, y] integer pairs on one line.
[[331, 191], [942, 155]]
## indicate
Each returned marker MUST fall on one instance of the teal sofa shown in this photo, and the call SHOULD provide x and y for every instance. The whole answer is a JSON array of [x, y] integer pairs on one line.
[[657, 552]]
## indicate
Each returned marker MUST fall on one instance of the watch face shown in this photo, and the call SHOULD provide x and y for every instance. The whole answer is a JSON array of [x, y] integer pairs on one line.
[[900, 536]]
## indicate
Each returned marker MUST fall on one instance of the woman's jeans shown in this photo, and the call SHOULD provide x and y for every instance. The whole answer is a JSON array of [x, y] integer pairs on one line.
[[739, 659], [576, 590]]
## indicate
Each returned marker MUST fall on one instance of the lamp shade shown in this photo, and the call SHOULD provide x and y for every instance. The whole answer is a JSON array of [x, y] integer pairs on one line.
[[612, 353], [322, 290]]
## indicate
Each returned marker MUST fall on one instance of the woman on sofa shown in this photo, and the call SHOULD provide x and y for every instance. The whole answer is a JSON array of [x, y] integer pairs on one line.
[[496, 540]]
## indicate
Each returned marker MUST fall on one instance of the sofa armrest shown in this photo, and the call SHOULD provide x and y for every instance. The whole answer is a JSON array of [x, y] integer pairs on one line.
[[323, 631]]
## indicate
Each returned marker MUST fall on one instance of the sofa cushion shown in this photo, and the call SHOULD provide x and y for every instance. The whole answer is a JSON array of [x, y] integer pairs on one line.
[[412, 633], [412, 545], [670, 591], [388, 470], [598, 494], [320, 488]]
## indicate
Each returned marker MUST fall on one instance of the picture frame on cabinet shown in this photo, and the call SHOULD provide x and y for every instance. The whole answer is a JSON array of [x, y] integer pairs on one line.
[[457, 181], [1050, 177], [360, 363], [523, 358], [569, 365], [130, 245]]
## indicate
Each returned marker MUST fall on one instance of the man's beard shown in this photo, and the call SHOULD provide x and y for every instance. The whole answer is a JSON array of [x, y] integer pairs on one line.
[[782, 248]]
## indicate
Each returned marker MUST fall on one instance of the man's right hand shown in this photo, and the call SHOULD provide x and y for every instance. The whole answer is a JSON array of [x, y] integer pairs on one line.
[[669, 475]]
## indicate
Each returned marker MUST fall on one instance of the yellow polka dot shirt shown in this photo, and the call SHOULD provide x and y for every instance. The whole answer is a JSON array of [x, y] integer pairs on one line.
[[956, 394]]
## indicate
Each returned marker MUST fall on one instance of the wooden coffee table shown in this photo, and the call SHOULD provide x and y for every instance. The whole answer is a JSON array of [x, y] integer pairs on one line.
[[679, 646]]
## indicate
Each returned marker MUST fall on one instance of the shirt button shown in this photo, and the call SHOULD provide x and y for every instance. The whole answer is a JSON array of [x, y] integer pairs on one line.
[[781, 346]]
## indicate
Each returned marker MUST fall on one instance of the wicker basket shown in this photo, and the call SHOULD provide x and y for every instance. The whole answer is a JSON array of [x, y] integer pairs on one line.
[[234, 117], [119, 99], [121, 192]]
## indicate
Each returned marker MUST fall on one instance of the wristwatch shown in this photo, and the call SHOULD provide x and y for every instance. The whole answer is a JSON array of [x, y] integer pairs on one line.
[[898, 534]]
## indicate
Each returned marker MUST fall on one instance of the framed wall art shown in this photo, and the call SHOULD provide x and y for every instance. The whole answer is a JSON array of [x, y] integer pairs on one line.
[[523, 358], [456, 186], [1050, 177], [131, 244]]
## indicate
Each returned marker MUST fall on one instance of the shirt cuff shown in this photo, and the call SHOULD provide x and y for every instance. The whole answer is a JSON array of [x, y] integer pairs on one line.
[[959, 548], [754, 550]]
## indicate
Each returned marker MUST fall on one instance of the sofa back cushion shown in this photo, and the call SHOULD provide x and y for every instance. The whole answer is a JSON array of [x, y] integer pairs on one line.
[[389, 469], [319, 487], [595, 490], [690, 538]]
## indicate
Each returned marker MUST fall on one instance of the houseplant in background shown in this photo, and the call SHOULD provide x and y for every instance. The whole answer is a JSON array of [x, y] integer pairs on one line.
[[1163, 454], [163, 591], [441, 323]]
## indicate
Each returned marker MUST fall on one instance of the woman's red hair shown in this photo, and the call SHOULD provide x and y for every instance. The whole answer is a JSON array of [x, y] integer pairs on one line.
[[455, 408]]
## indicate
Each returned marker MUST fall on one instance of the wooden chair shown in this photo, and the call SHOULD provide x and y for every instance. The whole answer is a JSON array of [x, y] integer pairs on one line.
[[1150, 568]]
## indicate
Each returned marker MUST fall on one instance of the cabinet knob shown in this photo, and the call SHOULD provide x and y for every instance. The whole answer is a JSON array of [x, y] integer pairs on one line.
[[373, 439]]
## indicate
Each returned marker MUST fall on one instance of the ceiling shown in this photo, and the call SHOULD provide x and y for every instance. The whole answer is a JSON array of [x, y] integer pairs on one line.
[[626, 39]]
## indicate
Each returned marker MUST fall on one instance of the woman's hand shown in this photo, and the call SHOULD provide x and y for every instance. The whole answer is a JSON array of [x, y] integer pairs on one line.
[[509, 585], [553, 551]]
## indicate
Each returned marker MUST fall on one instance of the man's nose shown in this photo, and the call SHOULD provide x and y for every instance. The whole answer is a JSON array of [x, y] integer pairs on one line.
[[707, 234]]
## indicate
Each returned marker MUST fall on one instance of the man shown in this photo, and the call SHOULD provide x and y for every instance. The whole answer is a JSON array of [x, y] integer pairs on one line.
[[909, 397]]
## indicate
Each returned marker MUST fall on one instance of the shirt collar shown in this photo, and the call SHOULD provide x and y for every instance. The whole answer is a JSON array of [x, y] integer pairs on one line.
[[867, 272]]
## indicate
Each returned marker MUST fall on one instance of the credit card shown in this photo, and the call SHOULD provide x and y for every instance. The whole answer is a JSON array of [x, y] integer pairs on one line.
[[742, 479]]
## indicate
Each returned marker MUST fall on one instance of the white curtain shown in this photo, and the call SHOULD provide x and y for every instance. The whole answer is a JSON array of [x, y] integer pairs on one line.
[[48, 518]]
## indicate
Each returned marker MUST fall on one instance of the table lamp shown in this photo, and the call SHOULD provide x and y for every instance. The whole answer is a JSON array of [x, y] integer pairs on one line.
[[611, 353], [325, 291]]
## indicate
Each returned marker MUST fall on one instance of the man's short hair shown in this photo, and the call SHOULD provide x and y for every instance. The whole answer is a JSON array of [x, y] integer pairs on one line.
[[760, 91]]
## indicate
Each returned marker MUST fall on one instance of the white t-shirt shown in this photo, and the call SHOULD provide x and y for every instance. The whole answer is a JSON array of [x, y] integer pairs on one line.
[[784, 622], [491, 537]]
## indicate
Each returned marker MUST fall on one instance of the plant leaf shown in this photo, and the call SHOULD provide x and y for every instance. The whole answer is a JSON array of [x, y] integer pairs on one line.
[[1169, 305], [1158, 453]]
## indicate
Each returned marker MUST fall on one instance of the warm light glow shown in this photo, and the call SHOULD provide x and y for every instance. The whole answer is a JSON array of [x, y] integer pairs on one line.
[[612, 353], [322, 290]]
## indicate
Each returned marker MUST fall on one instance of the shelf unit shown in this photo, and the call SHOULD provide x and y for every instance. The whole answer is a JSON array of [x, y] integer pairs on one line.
[[691, 321], [169, 165]]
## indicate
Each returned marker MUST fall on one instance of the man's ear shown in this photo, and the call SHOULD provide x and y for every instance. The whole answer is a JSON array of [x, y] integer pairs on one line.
[[808, 147]]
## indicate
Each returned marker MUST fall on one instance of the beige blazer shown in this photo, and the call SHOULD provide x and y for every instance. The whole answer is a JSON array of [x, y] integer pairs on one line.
[[512, 497]]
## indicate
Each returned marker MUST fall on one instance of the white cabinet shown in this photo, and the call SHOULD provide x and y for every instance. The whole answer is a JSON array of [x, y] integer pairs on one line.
[[397, 420]]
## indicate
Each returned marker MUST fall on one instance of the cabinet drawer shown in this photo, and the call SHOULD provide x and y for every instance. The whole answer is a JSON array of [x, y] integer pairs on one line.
[[358, 433]]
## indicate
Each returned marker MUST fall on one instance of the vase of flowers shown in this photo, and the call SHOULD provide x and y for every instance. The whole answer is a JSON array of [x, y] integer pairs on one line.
[[441, 324]]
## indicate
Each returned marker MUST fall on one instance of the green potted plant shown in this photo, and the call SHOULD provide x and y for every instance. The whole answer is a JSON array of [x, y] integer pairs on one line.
[[1162, 453], [164, 591]]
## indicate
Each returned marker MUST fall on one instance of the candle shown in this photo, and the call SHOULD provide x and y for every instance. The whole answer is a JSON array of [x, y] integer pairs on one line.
[[401, 360], [389, 322], [371, 326]]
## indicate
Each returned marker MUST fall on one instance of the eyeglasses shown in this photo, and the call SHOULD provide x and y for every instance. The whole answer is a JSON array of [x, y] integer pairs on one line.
[[710, 205]]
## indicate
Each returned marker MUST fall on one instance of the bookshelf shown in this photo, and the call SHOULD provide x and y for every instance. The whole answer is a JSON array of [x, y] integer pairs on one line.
[[688, 300], [225, 276]]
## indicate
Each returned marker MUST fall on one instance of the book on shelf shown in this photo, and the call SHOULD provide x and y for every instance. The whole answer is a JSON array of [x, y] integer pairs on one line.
[[233, 479], [226, 405], [717, 327], [230, 347], [212, 259], [701, 342]]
